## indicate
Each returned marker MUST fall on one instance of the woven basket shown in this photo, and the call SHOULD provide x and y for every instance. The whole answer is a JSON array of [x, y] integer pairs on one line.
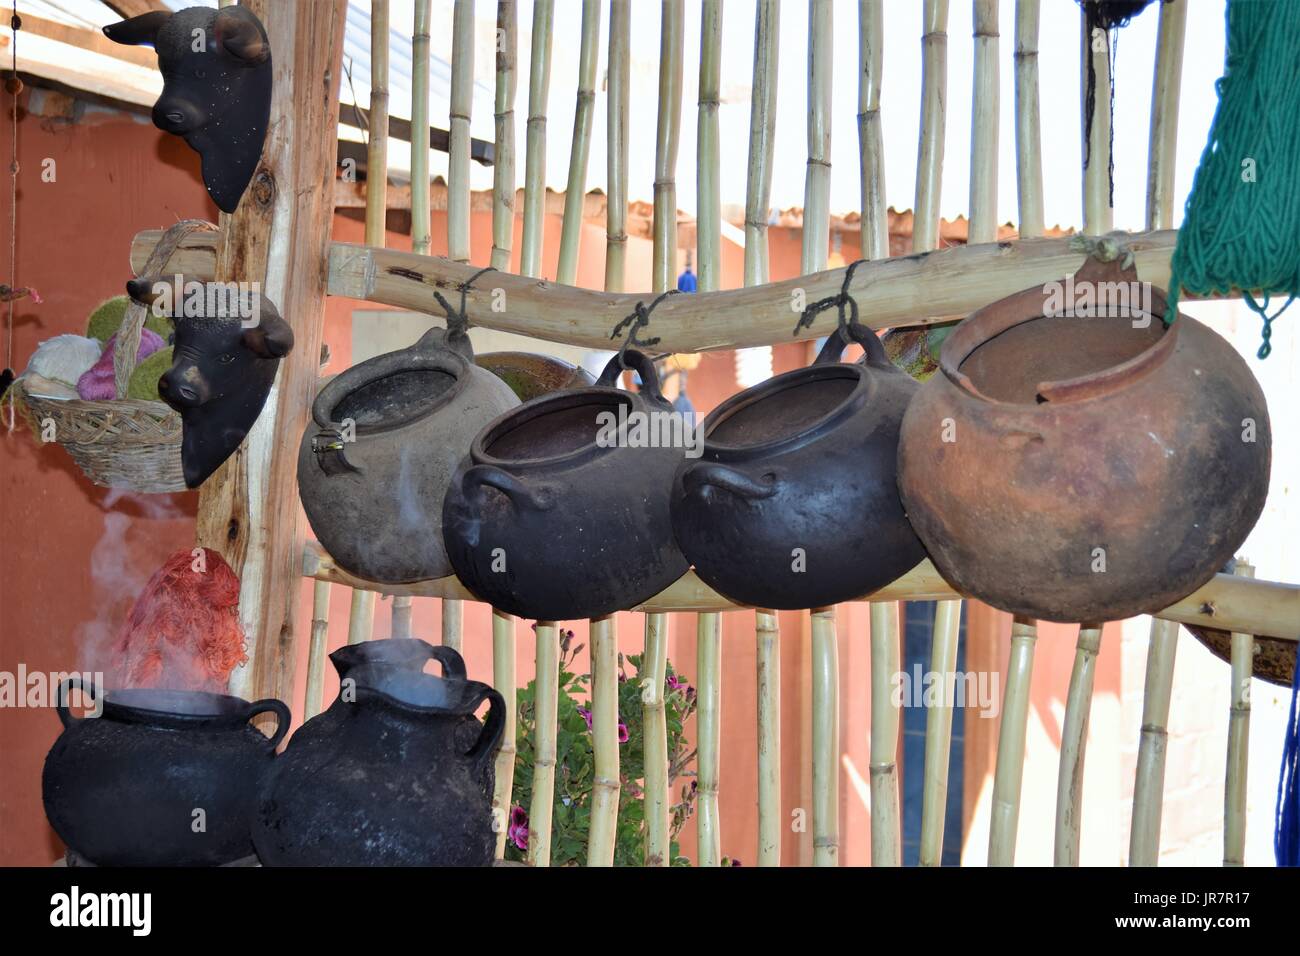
[[124, 442]]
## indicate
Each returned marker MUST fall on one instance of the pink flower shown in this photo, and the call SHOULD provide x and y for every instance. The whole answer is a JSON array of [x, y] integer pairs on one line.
[[622, 732], [518, 830], [585, 714]]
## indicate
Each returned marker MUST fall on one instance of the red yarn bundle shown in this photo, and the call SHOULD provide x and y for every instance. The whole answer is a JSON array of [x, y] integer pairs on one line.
[[183, 632]]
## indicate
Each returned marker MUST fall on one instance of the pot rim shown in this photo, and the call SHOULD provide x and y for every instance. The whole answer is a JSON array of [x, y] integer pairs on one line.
[[467, 689], [861, 393], [985, 324], [384, 366], [542, 405], [224, 707]]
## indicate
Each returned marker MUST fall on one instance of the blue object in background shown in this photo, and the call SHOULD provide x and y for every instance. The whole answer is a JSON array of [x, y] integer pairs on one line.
[[686, 282]]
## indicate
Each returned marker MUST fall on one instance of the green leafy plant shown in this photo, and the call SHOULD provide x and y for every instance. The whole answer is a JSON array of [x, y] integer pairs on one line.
[[575, 764]]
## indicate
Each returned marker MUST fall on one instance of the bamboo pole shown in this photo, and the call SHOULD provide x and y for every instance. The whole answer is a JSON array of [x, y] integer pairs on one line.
[[708, 725], [938, 732], [377, 149], [708, 219], [539, 85], [871, 143], [1098, 216], [825, 739], [1149, 782], [1011, 744], [1226, 602], [1163, 144], [1074, 738], [318, 650], [503, 165], [503, 679], [1234, 785], [453, 613], [401, 615], [575, 193], [361, 616], [886, 818], [620, 18], [984, 125], [817, 179], [606, 784], [545, 703], [421, 225], [768, 638], [654, 726], [462, 100], [762, 137], [1029, 127], [929, 154], [671, 38]]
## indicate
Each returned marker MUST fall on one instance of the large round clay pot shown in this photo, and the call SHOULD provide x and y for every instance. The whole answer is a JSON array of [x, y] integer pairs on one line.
[[1084, 468], [159, 778], [557, 514], [396, 772], [376, 458], [794, 500]]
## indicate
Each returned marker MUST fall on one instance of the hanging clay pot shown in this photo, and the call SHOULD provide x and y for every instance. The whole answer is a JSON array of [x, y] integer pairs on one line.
[[376, 458], [216, 95], [396, 772], [789, 467], [1084, 468], [126, 788], [560, 511]]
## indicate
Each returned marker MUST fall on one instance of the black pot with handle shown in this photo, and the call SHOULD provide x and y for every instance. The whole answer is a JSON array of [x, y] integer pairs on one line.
[[794, 502], [160, 777], [561, 511], [396, 772]]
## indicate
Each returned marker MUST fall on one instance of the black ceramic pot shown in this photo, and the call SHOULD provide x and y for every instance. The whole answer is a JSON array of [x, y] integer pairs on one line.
[[160, 778], [794, 503], [560, 512], [396, 772]]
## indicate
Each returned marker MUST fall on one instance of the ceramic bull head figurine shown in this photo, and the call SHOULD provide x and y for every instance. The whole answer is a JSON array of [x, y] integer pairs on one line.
[[216, 67], [227, 348]]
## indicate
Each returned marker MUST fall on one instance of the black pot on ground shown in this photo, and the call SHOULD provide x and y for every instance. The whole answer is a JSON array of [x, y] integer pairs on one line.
[[160, 778], [794, 502], [396, 772], [559, 513]]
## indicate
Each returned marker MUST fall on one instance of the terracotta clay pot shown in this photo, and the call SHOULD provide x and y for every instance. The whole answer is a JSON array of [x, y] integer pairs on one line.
[[123, 788], [1084, 468], [786, 466], [546, 520], [396, 772], [375, 502]]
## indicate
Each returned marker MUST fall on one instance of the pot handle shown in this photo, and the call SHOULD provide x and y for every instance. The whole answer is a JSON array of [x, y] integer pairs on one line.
[[494, 727], [644, 366], [523, 497], [269, 705], [453, 665], [853, 331], [61, 701], [703, 474], [331, 455]]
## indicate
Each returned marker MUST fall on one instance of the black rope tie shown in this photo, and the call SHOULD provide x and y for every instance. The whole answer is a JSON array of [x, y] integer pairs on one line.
[[458, 319], [842, 301], [634, 323]]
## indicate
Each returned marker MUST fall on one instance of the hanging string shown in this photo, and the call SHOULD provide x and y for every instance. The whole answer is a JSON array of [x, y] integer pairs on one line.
[[1241, 225], [458, 319], [14, 86], [841, 301], [634, 322]]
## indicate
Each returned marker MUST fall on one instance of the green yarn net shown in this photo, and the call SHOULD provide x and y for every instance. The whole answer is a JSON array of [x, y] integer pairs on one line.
[[1241, 227]]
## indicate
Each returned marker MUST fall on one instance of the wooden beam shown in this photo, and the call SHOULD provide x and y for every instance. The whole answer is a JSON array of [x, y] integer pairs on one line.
[[92, 41], [1229, 603], [279, 236], [130, 8]]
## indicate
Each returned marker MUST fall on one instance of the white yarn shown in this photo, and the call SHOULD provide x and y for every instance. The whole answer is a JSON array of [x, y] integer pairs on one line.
[[65, 357]]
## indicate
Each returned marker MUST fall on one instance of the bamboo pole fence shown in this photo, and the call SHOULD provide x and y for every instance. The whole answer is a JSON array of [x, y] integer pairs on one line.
[[1163, 143], [1029, 128], [575, 193], [545, 703], [620, 25], [319, 648], [539, 87], [401, 622], [984, 125], [667, 134], [1009, 772], [453, 622], [377, 148], [503, 166], [938, 732], [1234, 787], [503, 677], [654, 727], [1098, 215], [462, 99], [825, 739], [1074, 738], [1149, 783], [929, 154], [871, 141], [886, 661], [606, 784], [762, 135], [768, 657], [708, 727], [817, 182], [421, 225], [361, 616]]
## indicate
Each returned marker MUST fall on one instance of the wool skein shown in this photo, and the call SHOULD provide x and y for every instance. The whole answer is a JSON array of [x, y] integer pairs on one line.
[[64, 358], [98, 383]]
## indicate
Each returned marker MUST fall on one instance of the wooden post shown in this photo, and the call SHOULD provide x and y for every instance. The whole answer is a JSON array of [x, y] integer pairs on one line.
[[1010, 770], [575, 191], [886, 817], [1074, 740], [279, 236], [1149, 783]]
